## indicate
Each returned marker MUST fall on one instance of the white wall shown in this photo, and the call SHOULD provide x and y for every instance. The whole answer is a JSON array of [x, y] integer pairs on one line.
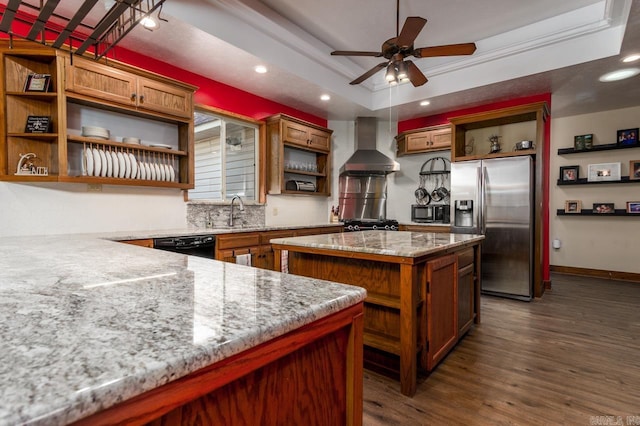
[[55, 208], [604, 243]]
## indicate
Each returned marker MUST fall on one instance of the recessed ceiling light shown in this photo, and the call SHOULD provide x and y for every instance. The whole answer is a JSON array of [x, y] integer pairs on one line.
[[619, 74], [325, 97], [631, 58], [424, 103], [261, 69]]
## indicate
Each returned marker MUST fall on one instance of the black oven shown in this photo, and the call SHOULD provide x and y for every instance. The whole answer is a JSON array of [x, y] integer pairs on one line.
[[194, 245], [366, 225]]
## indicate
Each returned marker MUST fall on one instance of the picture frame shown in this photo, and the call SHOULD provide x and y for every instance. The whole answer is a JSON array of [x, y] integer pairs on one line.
[[37, 83], [633, 207], [634, 169], [604, 208], [583, 142], [603, 172], [627, 137], [38, 124], [573, 206], [569, 173]]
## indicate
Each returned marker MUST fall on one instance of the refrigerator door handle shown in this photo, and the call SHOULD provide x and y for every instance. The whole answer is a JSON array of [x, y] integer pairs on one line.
[[479, 213], [483, 202]]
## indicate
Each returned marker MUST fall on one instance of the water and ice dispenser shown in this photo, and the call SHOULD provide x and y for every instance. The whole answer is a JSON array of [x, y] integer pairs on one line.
[[463, 213]]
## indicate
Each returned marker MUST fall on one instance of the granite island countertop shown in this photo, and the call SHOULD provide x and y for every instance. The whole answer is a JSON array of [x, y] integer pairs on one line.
[[87, 323], [388, 243]]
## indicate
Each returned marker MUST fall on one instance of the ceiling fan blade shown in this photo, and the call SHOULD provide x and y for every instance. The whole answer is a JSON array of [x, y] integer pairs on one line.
[[354, 53], [410, 30], [446, 50], [369, 73], [416, 76]]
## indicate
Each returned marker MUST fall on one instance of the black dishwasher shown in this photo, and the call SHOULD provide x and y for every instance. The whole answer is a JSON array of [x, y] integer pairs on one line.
[[193, 245]]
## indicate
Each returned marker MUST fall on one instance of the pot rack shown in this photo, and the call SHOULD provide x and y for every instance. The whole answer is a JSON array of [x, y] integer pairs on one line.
[[74, 30], [436, 166]]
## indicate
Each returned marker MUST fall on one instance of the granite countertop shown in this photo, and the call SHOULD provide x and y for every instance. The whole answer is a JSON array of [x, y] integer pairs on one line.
[[179, 232], [390, 243], [87, 323]]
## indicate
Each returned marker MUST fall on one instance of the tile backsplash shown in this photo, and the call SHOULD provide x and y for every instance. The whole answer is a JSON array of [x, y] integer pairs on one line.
[[202, 214]]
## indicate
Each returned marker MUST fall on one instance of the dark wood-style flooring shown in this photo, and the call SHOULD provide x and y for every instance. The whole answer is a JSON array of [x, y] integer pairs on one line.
[[567, 358]]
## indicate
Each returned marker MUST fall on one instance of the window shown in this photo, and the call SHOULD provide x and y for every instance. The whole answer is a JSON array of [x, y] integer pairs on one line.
[[225, 156]]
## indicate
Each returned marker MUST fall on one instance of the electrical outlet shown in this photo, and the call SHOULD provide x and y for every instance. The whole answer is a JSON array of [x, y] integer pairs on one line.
[[94, 187]]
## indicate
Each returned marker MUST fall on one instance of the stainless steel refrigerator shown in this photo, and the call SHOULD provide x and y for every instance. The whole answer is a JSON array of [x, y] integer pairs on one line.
[[495, 198]]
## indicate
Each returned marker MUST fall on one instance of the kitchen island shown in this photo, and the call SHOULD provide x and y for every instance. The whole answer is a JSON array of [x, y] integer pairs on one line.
[[100, 332], [423, 290]]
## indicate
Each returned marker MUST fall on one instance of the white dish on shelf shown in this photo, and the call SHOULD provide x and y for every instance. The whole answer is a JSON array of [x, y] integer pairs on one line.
[[147, 170], [116, 169], [160, 145], [153, 171], [95, 132], [134, 166], [167, 173], [103, 161], [121, 167], [162, 172], [88, 154], [127, 166], [109, 163], [131, 140], [142, 171], [157, 168], [97, 165], [172, 173]]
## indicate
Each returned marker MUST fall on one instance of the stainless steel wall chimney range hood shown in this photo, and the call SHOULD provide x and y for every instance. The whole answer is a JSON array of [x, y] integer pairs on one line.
[[366, 159]]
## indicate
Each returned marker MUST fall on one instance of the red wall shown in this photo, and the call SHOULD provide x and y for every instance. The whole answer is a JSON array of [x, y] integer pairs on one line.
[[436, 119]]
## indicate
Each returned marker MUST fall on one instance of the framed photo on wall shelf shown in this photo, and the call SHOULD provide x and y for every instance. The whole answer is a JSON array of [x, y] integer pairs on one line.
[[603, 172], [573, 206], [627, 137], [37, 83], [604, 208], [569, 173], [582, 142], [633, 207], [634, 169]]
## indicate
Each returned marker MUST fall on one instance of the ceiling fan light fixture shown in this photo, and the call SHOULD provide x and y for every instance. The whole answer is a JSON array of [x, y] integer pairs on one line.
[[402, 71], [392, 74]]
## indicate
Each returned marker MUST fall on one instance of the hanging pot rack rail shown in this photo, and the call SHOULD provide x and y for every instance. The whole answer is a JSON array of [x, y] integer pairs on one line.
[[101, 37]]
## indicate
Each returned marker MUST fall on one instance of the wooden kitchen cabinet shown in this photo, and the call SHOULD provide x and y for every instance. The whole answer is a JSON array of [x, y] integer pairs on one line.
[[83, 92], [297, 151], [466, 290], [86, 77], [436, 138], [441, 306]]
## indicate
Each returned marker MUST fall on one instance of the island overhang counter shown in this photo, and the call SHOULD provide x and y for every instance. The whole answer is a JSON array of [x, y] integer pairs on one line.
[[423, 290], [100, 332]]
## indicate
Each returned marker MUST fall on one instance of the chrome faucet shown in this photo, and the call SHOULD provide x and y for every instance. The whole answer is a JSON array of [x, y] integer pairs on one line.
[[240, 207]]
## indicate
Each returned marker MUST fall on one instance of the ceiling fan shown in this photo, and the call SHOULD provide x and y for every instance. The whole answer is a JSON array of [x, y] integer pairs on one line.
[[396, 49]]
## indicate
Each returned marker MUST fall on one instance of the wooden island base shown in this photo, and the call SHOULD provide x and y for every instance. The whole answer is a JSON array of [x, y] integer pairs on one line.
[[417, 307]]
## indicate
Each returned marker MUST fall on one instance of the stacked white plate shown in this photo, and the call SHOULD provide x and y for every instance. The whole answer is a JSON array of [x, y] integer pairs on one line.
[[95, 132], [131, 140]]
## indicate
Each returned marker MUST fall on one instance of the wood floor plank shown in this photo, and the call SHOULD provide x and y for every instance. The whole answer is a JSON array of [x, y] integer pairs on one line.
[[563, 359]]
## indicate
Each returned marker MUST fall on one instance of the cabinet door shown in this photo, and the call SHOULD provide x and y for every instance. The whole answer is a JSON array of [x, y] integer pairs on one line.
[[418, 142], [319, 139], [99, 81], [442, 314], [295, 133], [156, 96], [465, 299], [441, 139]]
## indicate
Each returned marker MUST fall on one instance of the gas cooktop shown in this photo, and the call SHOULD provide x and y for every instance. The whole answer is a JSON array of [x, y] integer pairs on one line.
[[366, 225]]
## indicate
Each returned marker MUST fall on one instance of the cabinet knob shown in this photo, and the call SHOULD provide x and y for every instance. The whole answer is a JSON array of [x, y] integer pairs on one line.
[[133, 96], [141, 98]]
